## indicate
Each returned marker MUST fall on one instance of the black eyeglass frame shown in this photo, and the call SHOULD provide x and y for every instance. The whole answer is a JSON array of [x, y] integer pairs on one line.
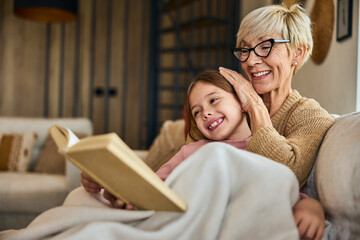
[[272, 41]]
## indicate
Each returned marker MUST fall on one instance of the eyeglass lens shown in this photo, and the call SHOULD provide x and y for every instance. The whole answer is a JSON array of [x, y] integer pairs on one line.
[[262, 50]]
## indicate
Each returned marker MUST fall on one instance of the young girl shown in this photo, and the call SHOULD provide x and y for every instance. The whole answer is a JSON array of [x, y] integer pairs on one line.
[[214, 112]]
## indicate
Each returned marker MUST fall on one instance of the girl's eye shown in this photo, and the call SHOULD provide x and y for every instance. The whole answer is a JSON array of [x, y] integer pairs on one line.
[[196, 113], [213, 100]]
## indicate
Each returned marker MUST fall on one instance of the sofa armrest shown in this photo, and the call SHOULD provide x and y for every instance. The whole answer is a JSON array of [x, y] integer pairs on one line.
[[337, 175]]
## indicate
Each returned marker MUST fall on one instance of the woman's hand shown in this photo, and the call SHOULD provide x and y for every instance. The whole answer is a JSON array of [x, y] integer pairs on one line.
[[243, 88], [309, 218], [117, 203], [89, 184], [250, 101]]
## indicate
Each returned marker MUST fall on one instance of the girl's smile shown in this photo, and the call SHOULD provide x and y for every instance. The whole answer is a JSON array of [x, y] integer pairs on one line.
[[214, 124]]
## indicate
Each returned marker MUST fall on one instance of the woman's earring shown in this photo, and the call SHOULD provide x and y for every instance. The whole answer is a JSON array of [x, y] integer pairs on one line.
[[295, 63]]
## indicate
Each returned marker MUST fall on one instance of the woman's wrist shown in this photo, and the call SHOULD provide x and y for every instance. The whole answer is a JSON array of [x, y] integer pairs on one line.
[[259, 117]]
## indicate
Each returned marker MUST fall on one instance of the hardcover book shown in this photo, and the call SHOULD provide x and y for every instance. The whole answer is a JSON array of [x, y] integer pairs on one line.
[[112, 164]]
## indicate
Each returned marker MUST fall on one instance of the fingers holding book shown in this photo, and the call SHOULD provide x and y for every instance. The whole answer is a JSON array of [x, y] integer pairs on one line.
[[89, 184], [116, 202]]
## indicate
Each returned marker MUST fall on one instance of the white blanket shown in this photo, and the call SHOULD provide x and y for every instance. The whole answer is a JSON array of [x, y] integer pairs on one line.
[[230, 193]]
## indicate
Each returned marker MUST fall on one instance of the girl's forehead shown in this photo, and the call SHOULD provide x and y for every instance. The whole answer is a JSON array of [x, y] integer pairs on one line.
[[202, 89], [203, 86]]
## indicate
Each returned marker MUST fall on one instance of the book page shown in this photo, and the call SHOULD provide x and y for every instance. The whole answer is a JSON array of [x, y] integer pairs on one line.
[[73, 139]]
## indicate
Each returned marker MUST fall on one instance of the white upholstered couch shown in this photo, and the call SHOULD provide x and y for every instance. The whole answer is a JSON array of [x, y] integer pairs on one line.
[[24, 195], [334, 179]]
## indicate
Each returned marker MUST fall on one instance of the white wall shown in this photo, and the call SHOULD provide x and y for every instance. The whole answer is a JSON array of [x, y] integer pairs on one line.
[[333, 83]]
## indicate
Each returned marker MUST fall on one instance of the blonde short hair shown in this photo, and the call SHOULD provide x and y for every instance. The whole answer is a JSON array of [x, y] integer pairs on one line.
[[291, 23]]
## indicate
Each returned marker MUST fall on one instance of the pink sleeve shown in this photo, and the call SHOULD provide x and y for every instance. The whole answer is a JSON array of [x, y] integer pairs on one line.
[[168, 167], [303, 195]]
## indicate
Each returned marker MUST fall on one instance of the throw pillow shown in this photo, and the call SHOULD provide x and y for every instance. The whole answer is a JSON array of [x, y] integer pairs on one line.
[[15, 151], [50, 161]]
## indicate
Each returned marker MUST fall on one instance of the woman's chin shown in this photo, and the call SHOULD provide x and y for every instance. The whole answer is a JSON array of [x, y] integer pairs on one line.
[[261, 90]]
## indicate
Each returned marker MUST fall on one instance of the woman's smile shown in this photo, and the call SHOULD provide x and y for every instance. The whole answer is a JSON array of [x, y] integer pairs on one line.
[[260, 74]]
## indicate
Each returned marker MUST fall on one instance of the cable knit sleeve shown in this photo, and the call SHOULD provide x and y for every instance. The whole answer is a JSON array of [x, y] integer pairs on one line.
[[296, 137]]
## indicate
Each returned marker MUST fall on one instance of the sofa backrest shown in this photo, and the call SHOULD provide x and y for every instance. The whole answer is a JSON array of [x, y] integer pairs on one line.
[[40, 127]]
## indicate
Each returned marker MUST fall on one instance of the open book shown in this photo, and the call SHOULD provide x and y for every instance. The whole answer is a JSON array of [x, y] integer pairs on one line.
[[111, 163]]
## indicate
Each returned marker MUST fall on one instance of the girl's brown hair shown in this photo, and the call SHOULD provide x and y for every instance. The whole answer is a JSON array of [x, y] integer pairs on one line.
[[211, 77]]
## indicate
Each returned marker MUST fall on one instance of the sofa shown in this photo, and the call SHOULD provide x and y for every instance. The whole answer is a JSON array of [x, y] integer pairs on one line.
[[32, 188], [334, 179]]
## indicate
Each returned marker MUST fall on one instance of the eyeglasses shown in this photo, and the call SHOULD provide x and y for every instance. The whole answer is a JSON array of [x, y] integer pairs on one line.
[[262, 49]]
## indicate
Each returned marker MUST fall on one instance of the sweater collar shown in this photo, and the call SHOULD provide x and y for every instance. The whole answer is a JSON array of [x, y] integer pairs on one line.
[[293, 98]]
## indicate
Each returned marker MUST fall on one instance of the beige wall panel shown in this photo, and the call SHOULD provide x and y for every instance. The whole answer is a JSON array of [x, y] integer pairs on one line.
[[54, 70], [100, 64], [144, 88], [30, 84], [117, 65], [69, 70], [85, 21], [11, 42], [134, 61], [22, 88]]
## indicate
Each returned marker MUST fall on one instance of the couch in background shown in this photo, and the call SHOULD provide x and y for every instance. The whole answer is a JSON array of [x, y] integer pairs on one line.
[[44, 182]]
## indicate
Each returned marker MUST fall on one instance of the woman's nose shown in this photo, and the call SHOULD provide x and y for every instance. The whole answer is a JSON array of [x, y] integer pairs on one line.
[[253, 58]]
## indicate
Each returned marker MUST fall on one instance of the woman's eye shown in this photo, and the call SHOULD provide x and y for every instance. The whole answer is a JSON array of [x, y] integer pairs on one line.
[[244, 51], [265, 46], [196, 113]]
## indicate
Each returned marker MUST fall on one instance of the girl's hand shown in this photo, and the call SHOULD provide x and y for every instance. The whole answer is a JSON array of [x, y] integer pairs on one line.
[[117, 203], [309, 219], [89, 184]]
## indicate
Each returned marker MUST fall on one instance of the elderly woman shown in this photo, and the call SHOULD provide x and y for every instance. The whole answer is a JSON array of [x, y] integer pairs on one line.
[[273, 42]]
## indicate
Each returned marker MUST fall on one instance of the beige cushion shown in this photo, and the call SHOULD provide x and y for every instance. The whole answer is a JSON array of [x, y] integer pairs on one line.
[[15, 151], [50, 161], [166, 144], [337, 173]]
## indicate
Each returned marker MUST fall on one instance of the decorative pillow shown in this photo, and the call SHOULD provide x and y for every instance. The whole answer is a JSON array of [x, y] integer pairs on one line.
[[15, 151], [50, 161]]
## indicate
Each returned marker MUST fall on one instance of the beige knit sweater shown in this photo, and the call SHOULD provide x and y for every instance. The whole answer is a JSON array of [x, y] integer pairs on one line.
[[299, 127]]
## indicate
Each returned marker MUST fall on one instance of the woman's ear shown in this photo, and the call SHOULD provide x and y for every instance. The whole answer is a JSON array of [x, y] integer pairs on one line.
[[299, 55]]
